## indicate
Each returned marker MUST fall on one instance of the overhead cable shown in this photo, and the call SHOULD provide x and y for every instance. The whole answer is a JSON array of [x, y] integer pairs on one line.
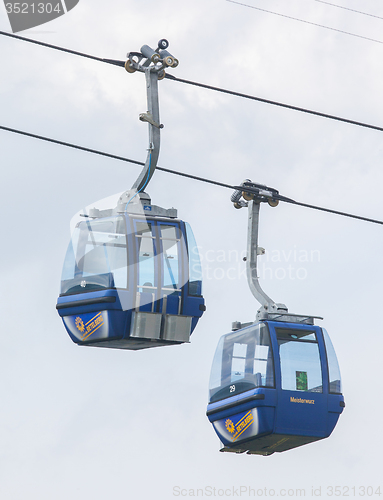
[[205, 86], [303, 21], [62, 143], [62, 49], [109, 155], [328, 210], [275, 103], [254, 190], [347, 8]]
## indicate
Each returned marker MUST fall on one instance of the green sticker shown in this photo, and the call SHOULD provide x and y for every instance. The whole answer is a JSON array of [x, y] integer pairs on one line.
[[301, 381]]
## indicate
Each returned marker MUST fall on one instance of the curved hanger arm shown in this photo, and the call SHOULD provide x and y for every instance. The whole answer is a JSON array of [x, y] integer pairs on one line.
[[153, 118], [252, 255]]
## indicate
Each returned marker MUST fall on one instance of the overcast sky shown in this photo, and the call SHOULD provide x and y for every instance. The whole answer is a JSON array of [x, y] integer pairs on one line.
[[97, 423]]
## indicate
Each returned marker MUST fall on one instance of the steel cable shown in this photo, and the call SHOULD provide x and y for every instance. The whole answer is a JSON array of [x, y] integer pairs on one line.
[[255, 189]]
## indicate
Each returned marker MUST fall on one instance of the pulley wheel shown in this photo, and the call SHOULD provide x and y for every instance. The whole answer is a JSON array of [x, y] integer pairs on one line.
[[169, 61], [163, 44], [247, 196], [272, 202], [129, 68]]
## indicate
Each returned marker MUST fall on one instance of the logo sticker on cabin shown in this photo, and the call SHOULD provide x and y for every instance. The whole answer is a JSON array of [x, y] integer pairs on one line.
[[91, 326], [29, 14], [238, 428], [88, 326], [79, 324]]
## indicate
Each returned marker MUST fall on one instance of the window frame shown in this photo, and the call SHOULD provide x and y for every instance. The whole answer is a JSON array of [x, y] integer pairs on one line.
[[83, 239], [226, 345], [298, 339]]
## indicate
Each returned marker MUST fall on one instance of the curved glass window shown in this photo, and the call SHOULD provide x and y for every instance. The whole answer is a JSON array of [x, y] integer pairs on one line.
[[170, 243], [195, 269], [146, 257], [243, 361], [96, 257], [300, 361], [335, 382]]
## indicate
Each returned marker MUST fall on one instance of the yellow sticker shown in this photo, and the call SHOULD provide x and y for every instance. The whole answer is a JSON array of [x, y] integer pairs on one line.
[[79, 324], [240, 427]]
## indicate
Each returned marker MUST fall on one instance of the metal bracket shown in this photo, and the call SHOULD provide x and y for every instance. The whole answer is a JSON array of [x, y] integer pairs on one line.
[[255, 194], [135, 200], [148, 117], [268, 305], [153, 64]]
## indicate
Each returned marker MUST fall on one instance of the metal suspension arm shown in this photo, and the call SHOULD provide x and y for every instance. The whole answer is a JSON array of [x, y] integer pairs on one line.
[[253, 202], [153, 119], [252, 256], [153, 64], [253, 199]]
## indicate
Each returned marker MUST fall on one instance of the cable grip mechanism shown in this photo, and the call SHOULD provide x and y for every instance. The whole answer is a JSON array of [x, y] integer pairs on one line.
[[157, 60]]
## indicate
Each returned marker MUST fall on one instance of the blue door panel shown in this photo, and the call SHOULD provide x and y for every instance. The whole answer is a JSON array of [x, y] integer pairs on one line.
[[192, 305], [332, 420], [335, 402], [172, 304], [301, 413]]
